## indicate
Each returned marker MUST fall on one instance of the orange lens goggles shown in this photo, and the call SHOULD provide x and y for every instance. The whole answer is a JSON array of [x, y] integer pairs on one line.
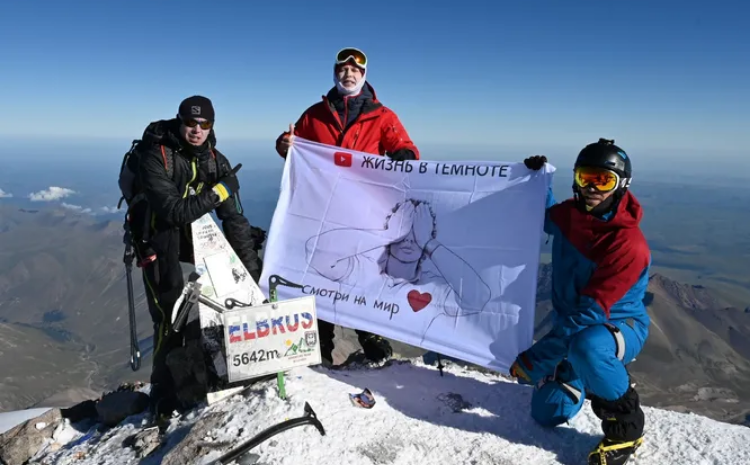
[[352, 53], [191, 123], [599, 178]]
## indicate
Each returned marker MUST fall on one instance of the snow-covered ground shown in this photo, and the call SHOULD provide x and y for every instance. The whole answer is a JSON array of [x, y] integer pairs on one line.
[[464, 417]]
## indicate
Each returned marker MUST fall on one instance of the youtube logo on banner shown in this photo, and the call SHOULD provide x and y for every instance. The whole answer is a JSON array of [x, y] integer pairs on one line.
[[342, 159]]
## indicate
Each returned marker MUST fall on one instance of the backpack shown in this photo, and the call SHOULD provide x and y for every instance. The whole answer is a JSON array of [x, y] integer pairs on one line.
[[129, 189], [138, 215]]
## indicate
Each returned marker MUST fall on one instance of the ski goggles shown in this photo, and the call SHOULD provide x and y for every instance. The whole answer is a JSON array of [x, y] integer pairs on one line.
[[601, 179], [357, 55], [191, 123]]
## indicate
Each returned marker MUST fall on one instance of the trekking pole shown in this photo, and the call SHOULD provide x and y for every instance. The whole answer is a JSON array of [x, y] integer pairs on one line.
[[128, 256]]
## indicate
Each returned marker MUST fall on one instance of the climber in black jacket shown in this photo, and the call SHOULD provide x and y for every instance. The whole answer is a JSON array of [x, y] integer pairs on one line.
[[202, 181]]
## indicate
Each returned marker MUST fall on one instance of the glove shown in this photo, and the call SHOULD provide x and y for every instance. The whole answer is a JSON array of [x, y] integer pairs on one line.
[[259, 236], [228, 185], [535, 162], [402, 155], [517, 369]]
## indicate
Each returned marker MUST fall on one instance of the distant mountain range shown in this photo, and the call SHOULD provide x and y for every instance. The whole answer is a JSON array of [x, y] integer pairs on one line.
[[64, 326]]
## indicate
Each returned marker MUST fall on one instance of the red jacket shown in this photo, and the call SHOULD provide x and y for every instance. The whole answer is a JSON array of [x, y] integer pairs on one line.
[[375, 130]]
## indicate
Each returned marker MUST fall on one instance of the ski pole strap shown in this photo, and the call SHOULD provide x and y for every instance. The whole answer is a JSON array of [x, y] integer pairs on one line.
[[619, 340]]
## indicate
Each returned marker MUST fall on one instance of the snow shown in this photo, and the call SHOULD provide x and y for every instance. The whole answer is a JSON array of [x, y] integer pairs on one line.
[[413, 422]]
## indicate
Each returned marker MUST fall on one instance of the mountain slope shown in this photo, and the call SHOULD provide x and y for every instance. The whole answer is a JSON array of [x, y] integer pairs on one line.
[[33, 365], [464, 417], [62, 283]]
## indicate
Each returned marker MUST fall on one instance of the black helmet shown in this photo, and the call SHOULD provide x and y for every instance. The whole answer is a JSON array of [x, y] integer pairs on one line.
[[605, 154]]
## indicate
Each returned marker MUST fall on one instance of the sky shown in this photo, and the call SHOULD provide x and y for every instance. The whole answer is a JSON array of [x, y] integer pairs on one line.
[[665, 78]]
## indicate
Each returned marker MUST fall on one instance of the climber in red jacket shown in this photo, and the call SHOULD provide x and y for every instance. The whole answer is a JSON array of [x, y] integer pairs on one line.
[[351, 116]]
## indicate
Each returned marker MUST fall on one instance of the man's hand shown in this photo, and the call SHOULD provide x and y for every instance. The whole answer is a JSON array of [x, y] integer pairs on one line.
[[400, 224], [286, 141], [422, 225], [535, 162], [228, 185]]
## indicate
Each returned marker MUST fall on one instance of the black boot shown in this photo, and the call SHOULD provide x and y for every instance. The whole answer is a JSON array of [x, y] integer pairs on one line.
[[162, 395], [326, 357], [376, 348], [326, 334], [162, 400], [188, 369], [622, 423]]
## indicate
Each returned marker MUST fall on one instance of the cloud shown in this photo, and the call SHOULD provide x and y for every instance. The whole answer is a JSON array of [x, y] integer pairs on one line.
[[53, 193], [89, 210], [77, 208], [5, 195]]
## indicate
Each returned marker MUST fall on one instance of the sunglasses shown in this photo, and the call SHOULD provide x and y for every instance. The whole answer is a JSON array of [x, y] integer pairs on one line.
[[191, 123], [600, 179], [358, 56]]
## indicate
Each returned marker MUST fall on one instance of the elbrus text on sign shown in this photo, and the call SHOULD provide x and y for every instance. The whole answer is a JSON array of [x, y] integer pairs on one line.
[[270, 338]]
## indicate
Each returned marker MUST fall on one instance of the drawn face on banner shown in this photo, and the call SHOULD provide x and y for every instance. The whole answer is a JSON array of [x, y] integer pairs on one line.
[[406, 250], [415, 224]]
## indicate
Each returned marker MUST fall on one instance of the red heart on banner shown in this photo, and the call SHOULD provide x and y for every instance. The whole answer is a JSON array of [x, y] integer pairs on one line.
[[417, 300]]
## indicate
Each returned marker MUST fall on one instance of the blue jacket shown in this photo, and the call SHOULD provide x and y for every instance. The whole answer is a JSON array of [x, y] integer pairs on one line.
[[599, 274]]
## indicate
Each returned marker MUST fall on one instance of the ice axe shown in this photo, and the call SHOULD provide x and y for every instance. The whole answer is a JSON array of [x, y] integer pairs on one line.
[[128, 256], [309, 418]]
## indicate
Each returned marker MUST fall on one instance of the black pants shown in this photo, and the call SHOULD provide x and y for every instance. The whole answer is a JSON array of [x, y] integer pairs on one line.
[[326, 333], [163, 285]]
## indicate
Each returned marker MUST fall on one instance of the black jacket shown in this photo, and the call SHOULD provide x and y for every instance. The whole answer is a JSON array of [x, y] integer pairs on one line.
[[174, 211]]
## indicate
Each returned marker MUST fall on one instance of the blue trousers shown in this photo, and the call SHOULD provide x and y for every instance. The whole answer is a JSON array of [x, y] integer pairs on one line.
[[591, 366]]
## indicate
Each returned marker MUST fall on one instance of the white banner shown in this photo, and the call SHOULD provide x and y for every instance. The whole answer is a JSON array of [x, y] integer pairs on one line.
[[440, 255]]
